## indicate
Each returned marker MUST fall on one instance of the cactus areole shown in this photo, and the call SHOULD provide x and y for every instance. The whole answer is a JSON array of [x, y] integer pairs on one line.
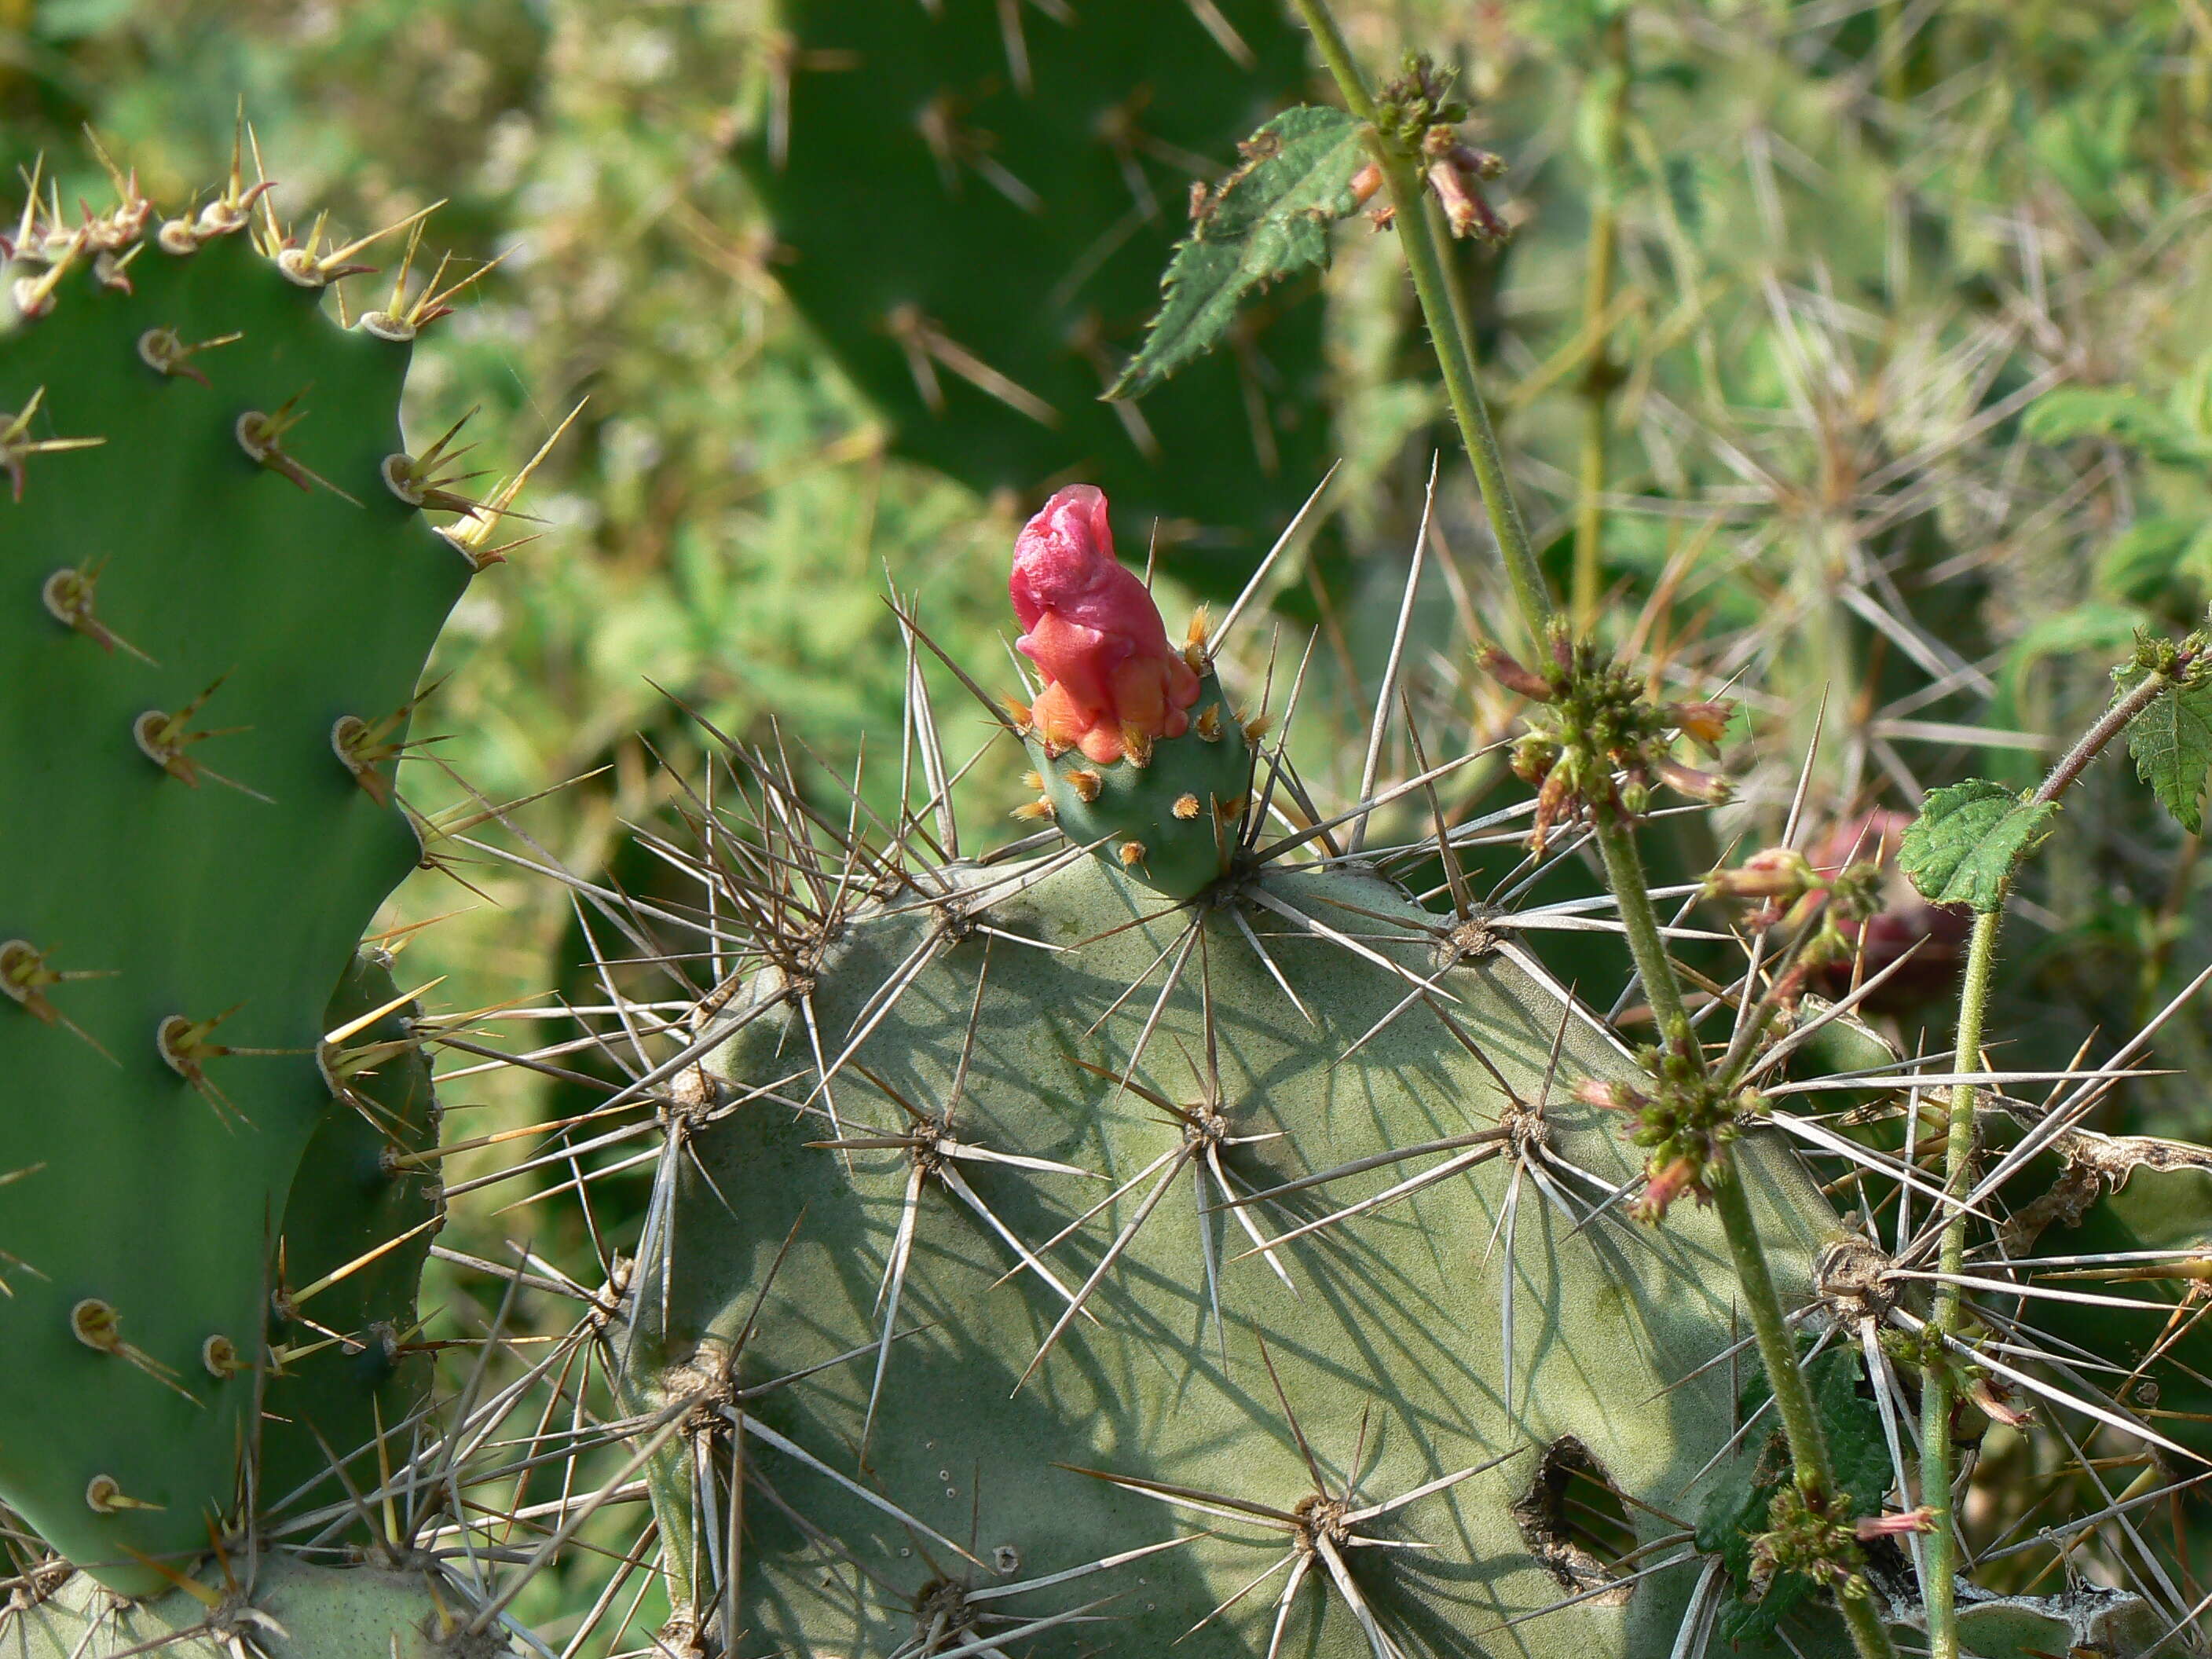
[[1138, 751]]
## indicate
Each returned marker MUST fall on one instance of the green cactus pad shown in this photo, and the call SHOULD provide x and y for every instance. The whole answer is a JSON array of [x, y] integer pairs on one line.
[[1032, 166], [2141, 1207], [191, 616], [355, 1211], [1490, 1322], [1182, 811], [284, 1608], [2089, 1619]]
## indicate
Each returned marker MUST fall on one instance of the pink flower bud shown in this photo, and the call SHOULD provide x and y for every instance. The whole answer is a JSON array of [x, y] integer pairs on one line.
[[1113, 683], [1775, 873], [1688, 781], [1608, 1096], [1663, 1185], [1465, 210], [1508, 672], [1886, 1526], [1996, 1401], [1703, 722]]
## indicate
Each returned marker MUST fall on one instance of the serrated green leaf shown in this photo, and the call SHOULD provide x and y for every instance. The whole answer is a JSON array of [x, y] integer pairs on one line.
[[2171, 742], [1962, 847], [1269, 220]]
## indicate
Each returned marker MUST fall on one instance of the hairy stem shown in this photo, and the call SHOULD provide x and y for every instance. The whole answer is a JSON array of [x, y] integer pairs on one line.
[[1647, 945], [1427, 245], [1608, 92], [1937, 1395], [1793, 1395]]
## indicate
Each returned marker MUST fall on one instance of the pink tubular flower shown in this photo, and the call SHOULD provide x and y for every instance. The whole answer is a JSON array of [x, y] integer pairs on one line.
[[1112, 681]]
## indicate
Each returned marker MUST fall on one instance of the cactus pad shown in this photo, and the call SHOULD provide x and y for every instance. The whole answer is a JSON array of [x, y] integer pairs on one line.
[[1030, 166], [287, 1609], [1133, 1257], [217, 590]]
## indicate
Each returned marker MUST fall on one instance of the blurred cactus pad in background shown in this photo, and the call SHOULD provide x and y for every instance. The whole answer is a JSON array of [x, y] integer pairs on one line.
[[791, 863]]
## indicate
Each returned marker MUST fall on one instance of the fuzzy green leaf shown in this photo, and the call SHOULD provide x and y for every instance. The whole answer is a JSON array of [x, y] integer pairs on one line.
[[1961, 848], [2171, 742], [1268, 220]]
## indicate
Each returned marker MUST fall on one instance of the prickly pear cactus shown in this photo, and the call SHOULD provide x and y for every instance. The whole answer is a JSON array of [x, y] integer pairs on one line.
[[1078, 1291], [217, 589], [1036, 1253], [363, 1210], [1031, 165]]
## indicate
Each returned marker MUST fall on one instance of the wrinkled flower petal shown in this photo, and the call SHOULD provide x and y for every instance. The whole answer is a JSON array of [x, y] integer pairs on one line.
[[1113, 683]]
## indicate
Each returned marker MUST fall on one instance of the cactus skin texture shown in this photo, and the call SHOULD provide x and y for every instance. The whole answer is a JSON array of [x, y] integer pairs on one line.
[[973, 202], [355, 1210], [762, 1320], [292, 1610], [191, 611]]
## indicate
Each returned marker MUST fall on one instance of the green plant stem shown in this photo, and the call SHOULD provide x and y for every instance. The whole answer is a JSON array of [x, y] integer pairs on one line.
[[1427, 245], [1608, 90], [1793, 1395], [1647, 945], [1892, 45], [1778, 1348], [1937, 1395]]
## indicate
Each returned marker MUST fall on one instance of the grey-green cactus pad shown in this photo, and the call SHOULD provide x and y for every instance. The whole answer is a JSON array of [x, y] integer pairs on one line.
[[281, 1608], [1390, 1349]]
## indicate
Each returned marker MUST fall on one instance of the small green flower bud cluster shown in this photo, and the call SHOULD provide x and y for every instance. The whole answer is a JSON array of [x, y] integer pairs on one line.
[[1418, 115], [1597, 742], [1811, 1533], [1684, 1118]]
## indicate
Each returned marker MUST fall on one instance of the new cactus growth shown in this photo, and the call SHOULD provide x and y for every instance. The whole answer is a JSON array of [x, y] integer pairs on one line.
[[217, 590], [1138, 750]]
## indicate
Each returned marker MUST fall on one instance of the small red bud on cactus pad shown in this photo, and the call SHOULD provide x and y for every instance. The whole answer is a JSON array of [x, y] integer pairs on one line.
[[1112, 681], [1142, 758]]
